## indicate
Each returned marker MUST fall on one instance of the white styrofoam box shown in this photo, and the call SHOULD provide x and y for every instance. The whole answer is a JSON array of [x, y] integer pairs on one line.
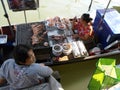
[[3, 39], [82, 48], [75, 50]]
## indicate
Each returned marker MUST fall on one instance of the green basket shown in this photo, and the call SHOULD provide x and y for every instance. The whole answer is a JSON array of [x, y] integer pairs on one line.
[[96, 80], [105, 75], [105, 61], [108, 66], [108, 82], [118, 72]]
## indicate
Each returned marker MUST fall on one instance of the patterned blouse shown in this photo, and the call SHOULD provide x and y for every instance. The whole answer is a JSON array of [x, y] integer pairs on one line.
[[83, 30]]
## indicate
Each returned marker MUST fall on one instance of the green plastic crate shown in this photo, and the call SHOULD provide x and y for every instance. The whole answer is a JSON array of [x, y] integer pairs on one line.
[[96, 80], [118, 72], [108, 82], [105, 75], [108, 66], [105, 61]]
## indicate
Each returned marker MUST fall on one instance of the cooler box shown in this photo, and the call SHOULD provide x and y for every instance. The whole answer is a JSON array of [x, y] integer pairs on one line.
[[107, 29], [6, 30]]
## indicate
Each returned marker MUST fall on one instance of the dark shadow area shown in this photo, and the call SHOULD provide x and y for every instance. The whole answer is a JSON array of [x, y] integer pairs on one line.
[[5, 52]]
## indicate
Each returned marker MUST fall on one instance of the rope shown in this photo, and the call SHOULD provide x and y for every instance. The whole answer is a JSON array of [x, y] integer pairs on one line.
[[25, 16], [90, 5], [6, 16], [38, 4], [101, 21]]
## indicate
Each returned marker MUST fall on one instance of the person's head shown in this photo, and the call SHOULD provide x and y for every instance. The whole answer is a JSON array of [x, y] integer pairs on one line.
[[86, 17], [23, 55]]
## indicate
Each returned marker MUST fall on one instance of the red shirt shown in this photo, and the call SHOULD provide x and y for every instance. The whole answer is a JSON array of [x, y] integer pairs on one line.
[[83, 30]]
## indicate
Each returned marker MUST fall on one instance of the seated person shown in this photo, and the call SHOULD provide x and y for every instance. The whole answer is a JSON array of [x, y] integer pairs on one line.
[[22, 71], [83, 27]]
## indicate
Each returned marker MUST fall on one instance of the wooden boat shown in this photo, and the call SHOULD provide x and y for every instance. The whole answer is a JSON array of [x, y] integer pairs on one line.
[[99, 47], [44, 53], [43, 35]]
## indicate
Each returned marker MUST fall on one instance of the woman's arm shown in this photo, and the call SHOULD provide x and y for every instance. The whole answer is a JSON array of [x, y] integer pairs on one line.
[[91, 31]]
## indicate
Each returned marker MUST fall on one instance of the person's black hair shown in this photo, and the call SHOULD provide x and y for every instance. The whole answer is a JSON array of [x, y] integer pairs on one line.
[[20, 53], [86, 17]]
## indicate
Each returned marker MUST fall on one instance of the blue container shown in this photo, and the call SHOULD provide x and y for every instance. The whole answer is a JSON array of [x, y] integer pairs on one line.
[[107, 29]]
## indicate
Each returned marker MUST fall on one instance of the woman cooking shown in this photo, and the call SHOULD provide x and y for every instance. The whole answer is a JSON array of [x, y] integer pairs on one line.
[[84, 27]]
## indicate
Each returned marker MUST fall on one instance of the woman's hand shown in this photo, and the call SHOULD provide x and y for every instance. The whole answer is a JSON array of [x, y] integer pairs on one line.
[[74, 36], [91, 31]]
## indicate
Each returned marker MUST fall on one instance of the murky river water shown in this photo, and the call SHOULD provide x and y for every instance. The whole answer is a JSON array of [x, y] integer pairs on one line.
[[51, 8]]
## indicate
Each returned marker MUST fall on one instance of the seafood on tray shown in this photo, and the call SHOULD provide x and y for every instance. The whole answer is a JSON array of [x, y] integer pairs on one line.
[[61, 26], [67, 23], [59, 23], [60, 37], [50, 22]]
